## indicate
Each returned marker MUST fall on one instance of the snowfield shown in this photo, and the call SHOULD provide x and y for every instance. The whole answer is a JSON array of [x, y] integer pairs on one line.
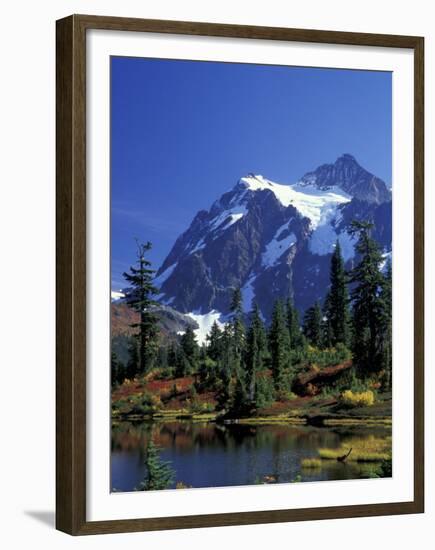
[[317, 205], [277, 246], [205, 322], [248, 293], [228, 218], [116, 295]]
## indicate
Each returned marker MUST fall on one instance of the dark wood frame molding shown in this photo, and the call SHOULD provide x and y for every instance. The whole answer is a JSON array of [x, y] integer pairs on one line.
[[71, 273]]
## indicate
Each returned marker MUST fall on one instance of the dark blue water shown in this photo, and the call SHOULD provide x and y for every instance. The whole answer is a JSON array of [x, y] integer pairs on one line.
[[210, 455]]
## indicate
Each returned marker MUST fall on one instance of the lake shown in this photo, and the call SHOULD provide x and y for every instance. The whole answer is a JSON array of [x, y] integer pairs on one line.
[[214, 455]]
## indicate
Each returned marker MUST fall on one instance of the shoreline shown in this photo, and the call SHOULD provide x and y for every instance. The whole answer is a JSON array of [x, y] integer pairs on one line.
[[320, 421]]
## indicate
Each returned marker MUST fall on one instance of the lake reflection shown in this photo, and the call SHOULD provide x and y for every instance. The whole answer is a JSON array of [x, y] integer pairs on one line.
[[212, 455]]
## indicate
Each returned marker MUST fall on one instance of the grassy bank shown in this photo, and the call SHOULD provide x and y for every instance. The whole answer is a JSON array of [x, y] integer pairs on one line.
[[371, 449], [153, 398]]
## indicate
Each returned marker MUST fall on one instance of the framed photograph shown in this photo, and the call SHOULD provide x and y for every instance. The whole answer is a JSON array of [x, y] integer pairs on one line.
[[239, 275]]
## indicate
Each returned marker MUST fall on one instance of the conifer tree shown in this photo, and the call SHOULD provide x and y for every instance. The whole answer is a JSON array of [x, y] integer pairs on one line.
[[117, 370], [133, 359], [296, 339], [162, 357], [160, 474], [327, 332], [385, 333], [173, 355], [255, 347], [279, 344], [190, 350], [237, 325], [366, 299], [214, 339], [239, 399], [207, 371], [113, 369], [140, 298], [337, 302], [313, 325], [238, 343], [226, 366], [182, 366]]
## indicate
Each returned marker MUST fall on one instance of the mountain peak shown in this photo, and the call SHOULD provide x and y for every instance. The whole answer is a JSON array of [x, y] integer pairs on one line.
[[347, 174], [253, 181], [272, 240], [346, 157]]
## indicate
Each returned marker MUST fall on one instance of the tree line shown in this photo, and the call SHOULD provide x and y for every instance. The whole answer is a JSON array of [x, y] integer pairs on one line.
[[249, 364]]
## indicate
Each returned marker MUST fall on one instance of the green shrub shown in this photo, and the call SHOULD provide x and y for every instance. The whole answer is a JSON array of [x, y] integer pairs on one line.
[[199, 407], [325, 357], [167, 373], [386, 468], [146, 403], [285, 395], [265, 392], [207, 407]]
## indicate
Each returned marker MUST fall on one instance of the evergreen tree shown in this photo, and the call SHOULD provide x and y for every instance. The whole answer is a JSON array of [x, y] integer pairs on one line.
[[296, 339], [162, 357], [182, 366], [113, 369], [313, 325], [117, 370], [190, 349], [236, 301], [173, 355], [255, 347], [159, 474], [385, 333], [279, 344], [140, 298], [337, 302], [207, 371], [226, 366], [237, 325], [237, 348], [239, 401], [368, 306], [327, 332], [214, 339], [133, 359]]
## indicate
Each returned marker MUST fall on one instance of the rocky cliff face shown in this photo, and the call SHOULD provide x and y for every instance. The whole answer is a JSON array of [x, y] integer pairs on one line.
[[352, 178], [273, 240]]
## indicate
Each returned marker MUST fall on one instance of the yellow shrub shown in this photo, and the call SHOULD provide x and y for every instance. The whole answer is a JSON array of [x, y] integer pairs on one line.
[[311, 463], [369, 449], [357, 399]]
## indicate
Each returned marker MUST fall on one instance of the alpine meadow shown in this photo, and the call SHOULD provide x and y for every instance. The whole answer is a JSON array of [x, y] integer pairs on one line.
[[251, 307]]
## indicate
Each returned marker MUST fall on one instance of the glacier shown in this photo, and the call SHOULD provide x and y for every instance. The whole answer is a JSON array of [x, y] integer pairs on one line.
[[273, 240], [277, 246], [205, 322], [312, 203]]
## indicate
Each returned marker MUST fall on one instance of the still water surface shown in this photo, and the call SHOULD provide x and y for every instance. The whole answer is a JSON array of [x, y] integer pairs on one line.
[[211, 455]]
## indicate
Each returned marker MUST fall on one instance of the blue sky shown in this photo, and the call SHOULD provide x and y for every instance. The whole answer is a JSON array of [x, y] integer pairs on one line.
[[184, 132]]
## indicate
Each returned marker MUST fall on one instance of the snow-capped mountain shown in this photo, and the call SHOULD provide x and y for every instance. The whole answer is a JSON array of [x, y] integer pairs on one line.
[[273, 240]]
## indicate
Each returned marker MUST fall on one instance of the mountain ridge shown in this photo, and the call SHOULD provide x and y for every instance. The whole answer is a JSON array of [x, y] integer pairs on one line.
[[273, 240]]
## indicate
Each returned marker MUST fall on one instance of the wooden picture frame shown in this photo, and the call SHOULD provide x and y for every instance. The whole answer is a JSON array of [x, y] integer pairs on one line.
[[71, 273]]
